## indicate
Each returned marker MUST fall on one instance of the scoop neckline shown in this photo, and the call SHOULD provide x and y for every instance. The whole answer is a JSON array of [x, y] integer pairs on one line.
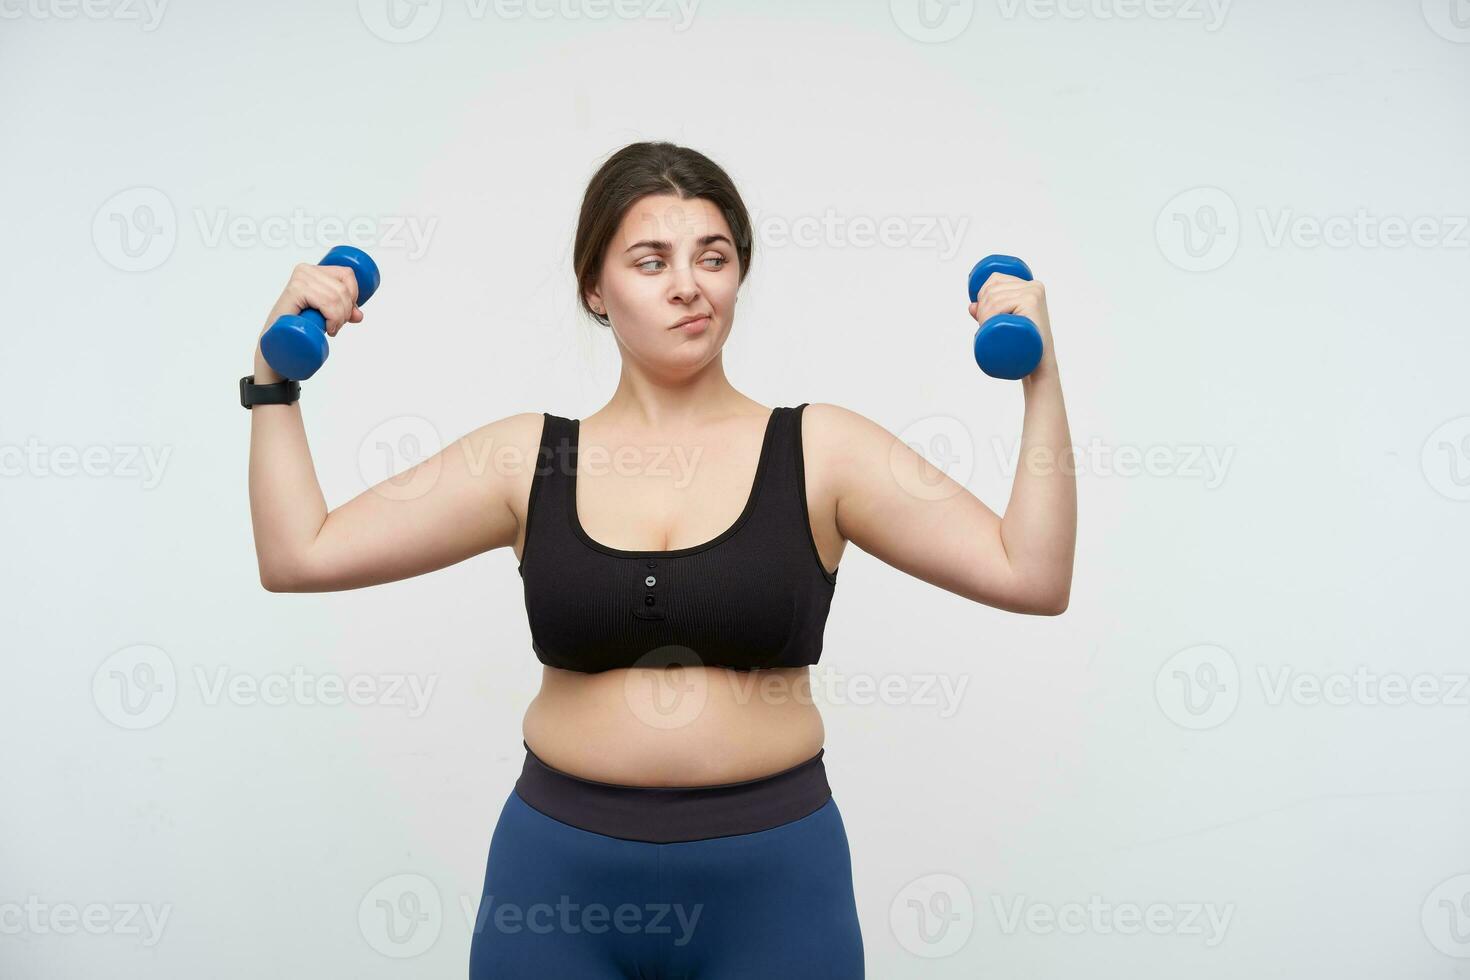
[[576, 522]]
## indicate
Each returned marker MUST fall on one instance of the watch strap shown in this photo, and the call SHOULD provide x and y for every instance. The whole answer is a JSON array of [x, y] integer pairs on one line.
[[279, 393]]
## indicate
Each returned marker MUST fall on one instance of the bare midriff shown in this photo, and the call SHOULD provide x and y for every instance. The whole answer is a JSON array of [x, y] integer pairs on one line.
[[674, 726]]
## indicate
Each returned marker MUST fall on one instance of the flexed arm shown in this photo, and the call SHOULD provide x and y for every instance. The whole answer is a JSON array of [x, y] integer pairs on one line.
[[893, 504], [443, 510]]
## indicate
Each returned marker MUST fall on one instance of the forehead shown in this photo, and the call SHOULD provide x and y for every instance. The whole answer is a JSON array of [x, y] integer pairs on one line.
[[670, 218]]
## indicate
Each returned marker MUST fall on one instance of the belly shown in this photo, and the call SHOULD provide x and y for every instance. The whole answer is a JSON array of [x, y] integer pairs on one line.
[[680, 726]]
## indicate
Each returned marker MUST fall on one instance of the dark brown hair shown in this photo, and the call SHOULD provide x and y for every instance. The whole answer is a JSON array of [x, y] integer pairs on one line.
[[635, 171]]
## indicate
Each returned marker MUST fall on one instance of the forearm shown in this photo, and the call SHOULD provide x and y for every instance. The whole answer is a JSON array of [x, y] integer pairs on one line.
[[287, 508], [1039, 529]]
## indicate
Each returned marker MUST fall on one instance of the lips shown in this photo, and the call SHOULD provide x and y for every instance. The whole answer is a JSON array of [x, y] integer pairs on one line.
[[689, 319]]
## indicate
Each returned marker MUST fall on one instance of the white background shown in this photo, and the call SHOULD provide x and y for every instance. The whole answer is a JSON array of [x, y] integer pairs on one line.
[[1138, 751]]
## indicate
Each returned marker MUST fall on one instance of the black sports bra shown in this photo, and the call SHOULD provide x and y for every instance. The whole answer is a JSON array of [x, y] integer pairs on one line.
[[756, 595]]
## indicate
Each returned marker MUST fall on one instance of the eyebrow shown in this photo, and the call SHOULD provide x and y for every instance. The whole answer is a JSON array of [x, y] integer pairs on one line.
[[662, 246]]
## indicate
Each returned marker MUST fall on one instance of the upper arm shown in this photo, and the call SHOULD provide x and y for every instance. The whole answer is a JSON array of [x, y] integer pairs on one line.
[[893, 504], [463, 500]]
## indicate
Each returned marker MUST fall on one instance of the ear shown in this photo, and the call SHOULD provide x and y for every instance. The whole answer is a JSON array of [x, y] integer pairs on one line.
[[594, 300]]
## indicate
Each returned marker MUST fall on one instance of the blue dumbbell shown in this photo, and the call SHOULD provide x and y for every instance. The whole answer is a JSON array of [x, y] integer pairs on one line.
[[1006, 345], [296, 346]]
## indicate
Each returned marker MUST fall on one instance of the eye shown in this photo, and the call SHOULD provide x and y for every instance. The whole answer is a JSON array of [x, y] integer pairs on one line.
[[645, 262], [720, 259]]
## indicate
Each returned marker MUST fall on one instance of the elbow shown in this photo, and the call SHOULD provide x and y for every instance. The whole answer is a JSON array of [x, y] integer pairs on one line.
[[274, 579], [273, 583], [1055, 604], [1048, 601]]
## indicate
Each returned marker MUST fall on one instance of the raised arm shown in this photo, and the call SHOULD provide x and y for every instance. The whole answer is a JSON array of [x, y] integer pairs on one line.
[[893, 504], [443, 510]]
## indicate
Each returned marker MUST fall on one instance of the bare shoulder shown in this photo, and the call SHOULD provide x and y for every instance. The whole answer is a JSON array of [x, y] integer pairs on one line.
[[503, 452], [837, 435]]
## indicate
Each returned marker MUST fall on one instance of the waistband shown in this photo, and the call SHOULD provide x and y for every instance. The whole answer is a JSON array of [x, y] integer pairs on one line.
[[670, 814]]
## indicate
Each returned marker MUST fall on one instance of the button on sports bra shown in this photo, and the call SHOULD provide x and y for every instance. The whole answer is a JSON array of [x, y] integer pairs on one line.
[[756, 595]]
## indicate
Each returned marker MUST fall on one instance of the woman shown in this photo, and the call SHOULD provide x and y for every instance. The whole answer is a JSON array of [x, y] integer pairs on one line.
[[679, 550]]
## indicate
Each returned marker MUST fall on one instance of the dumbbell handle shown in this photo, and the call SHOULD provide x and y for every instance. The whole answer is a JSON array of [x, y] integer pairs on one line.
[[295, 346], [1007, 345]]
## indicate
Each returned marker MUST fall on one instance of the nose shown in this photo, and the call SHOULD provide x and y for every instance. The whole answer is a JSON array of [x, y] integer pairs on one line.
[[682, 285]]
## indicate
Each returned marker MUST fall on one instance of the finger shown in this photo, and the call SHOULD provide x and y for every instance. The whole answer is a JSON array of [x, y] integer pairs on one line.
[[326, 295], [347, 277]]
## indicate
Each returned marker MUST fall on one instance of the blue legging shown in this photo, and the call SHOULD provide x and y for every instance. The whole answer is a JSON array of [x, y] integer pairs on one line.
[[563, 903]]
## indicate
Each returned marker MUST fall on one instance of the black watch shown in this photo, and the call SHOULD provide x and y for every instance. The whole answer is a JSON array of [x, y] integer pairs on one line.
[[280, 393]]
